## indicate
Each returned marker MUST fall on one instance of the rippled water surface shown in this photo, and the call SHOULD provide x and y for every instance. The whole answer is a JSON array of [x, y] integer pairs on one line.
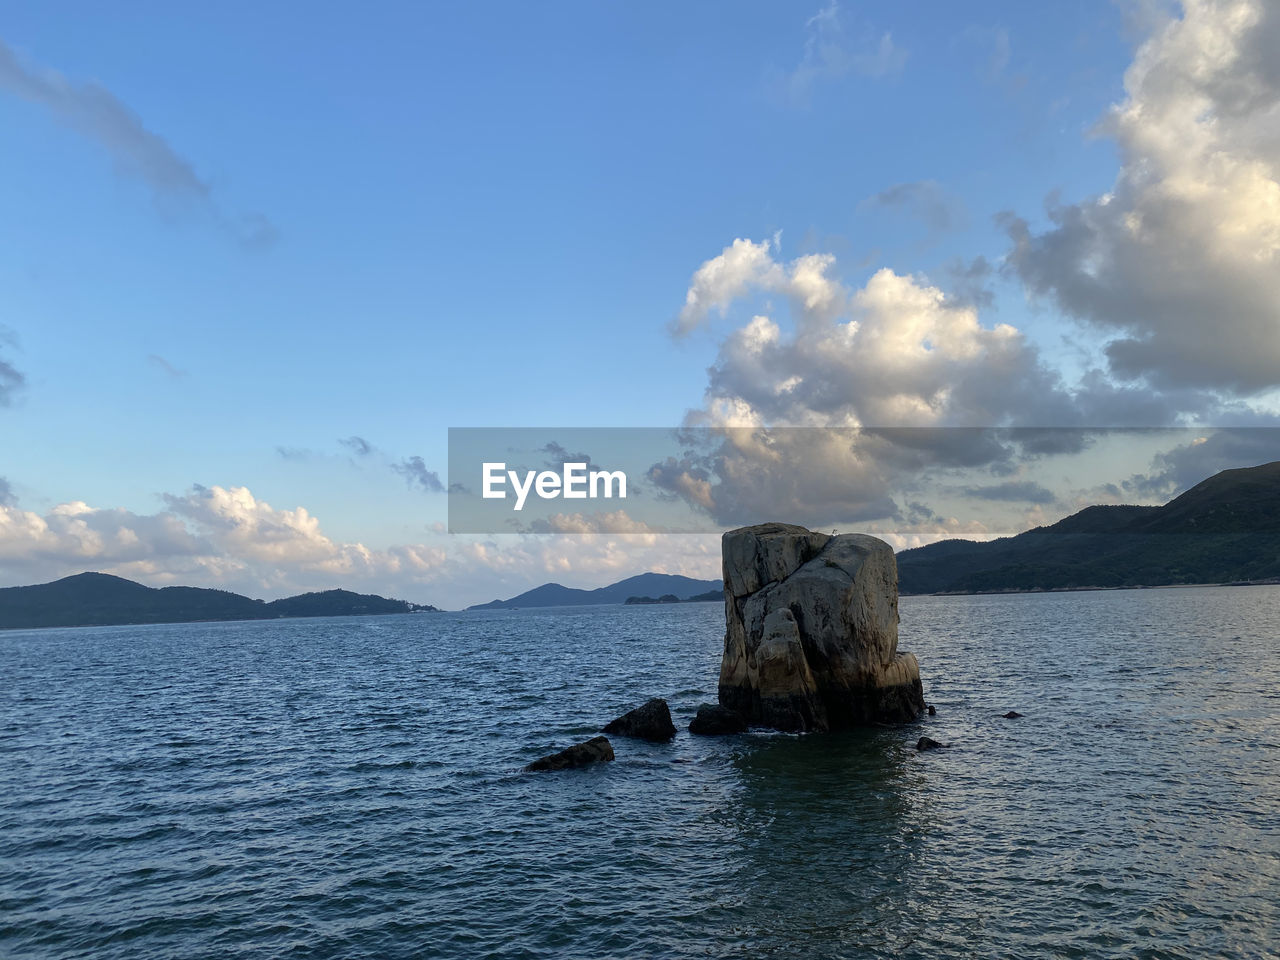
[[352, 788]]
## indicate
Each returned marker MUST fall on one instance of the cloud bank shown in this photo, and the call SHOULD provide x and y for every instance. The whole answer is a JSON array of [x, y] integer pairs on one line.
[[226, 537], [1177, 267]]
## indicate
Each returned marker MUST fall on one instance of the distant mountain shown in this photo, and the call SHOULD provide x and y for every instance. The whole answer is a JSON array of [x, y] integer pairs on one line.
[[99, 599], [1225, 529], [642, 585], [339, 603]]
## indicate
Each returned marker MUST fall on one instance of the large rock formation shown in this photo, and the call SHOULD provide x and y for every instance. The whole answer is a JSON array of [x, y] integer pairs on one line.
[[812, 639]]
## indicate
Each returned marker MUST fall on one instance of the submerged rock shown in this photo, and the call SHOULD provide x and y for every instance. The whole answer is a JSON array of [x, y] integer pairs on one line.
[[579, 755], [812, 631], [1012, 715], [651, 721], [714, 720], [927, 743]]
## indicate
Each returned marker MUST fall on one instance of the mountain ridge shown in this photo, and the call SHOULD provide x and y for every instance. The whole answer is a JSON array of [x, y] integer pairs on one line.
[[102, 599], [642, 584], [1225, 529]]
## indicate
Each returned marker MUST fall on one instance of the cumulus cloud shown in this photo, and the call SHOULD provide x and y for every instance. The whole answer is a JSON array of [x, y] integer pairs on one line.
[[1178, 266], [1179, 263], [77, 533], [813, 477], [236, 522], [840, 402], [97, 114], [894, 377], [742, 266], [211, 536], [896, 352], [227, 537]]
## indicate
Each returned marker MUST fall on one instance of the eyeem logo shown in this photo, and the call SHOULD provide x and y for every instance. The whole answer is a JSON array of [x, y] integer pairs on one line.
[[575, 482]]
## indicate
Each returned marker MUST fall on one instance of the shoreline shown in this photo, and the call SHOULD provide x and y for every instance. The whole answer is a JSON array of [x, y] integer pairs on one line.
[[1269, 582]]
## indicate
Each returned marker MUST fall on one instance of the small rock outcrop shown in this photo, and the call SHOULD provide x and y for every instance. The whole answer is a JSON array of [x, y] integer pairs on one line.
[[651, 721], [579, 755], [812, 631], [714, 720], [927, 743], [1013, 715]]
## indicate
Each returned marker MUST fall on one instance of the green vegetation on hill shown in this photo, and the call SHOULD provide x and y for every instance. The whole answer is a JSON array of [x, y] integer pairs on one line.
[[338, 603], [641, 585], [709, 596], [1223, 530], [99, 599]]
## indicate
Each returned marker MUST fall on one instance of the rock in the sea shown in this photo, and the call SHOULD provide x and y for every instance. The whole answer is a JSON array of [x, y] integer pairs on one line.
[[932, 710], [1012, 715], [812, 638], [579, 755], [714, 720], [926, 743], [651, 721]]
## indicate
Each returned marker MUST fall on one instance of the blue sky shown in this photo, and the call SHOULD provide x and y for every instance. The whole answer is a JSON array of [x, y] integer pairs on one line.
[[237, 236]]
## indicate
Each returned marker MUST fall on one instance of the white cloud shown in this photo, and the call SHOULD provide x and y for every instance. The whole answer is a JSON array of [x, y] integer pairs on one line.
[[74, 532], [226, 537], [616, 521], [1179, 263], [896, 352], [723, 279]]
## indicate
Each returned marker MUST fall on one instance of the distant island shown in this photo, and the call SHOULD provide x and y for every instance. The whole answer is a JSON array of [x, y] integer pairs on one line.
[[708, 597], [641, 587], [1225, 529], [99, 599]]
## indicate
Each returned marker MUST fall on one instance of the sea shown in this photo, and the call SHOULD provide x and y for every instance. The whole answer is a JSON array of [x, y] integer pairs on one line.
[[353, 788]]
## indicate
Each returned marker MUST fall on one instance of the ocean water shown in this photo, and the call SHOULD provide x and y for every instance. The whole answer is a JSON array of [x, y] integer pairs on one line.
[[353, 788]]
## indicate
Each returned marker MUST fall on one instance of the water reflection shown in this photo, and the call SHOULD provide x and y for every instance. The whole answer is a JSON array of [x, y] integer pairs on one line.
[[829, 835]]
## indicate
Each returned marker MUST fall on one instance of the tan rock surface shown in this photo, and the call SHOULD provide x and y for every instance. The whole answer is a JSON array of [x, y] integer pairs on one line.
[[812, 630]]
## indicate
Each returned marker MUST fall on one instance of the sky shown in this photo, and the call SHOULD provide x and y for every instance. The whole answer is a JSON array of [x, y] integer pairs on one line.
[[257, 260]]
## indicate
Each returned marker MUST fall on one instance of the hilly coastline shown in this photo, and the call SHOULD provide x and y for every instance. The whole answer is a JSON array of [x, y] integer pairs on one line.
[[644, 585], [99, 599], [1225, 529]]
